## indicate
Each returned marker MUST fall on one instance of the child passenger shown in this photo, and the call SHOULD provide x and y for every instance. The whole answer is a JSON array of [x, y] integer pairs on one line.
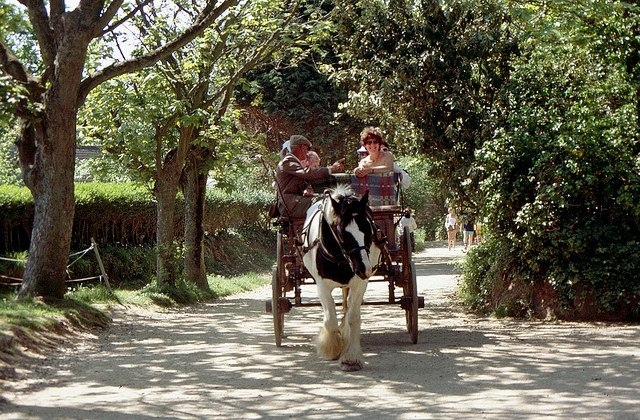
[[312, 161]]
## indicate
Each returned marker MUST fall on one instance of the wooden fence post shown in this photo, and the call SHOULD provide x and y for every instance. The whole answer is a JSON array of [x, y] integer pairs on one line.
[[104, 274]]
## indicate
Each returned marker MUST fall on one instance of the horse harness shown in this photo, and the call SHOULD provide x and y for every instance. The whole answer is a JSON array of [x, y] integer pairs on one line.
[[337, 236]]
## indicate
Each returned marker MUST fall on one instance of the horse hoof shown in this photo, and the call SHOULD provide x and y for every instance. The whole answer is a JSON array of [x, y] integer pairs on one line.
[[350, 366]]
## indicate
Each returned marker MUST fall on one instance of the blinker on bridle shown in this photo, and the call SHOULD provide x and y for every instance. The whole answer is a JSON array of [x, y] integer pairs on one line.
[[340, 238]]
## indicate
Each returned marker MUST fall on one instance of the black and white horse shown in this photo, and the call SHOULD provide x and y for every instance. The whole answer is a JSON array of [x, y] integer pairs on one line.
[[340, 250]]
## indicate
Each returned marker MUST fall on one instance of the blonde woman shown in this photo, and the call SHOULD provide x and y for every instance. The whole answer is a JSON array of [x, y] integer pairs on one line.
[[451, 226]]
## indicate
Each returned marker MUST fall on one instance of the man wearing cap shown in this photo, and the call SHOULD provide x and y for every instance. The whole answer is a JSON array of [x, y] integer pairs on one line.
[[294, 180]]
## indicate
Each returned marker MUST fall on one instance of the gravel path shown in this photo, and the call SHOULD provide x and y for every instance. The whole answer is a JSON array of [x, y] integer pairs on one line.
[[219, 360]]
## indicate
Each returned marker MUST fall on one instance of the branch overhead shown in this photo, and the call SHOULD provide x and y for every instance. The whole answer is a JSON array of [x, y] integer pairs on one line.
[[211, 12]]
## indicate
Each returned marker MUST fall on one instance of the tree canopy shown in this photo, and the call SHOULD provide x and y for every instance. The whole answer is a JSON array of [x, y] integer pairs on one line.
[[431, 74], [47, 103], [561, 176]]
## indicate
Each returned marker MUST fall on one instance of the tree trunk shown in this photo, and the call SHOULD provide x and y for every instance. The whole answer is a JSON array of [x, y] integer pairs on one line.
[[194, 195], [54, 206], [49, 173], [166, 190]]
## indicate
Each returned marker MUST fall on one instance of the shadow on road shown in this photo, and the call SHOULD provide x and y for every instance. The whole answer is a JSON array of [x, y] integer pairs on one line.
[[219, 360]]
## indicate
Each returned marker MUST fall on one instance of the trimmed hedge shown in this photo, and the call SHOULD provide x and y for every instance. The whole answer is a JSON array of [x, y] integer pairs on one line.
[[125, 214], [16, 215]]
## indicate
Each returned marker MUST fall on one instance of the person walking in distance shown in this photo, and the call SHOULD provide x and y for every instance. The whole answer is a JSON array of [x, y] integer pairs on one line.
[[468, 230], [451, 226], [410, 223]]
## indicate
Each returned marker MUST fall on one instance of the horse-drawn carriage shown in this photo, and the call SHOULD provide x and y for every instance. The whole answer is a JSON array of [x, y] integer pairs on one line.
[[351, 230]]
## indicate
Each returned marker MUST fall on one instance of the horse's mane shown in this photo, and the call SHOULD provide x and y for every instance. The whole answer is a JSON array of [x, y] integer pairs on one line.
[[339, 193]]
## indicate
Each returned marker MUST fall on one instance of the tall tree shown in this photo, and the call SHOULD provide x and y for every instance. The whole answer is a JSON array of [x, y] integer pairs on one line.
[[182, 103], [48, 111], [562, 175], [430, 73]]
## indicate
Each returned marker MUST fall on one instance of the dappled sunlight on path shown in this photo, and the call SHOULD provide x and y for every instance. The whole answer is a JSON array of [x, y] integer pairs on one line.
[[220, 360]]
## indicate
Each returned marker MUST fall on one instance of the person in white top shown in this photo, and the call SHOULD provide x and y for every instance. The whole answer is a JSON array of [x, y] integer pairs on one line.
[[410, 223], [451, 225]]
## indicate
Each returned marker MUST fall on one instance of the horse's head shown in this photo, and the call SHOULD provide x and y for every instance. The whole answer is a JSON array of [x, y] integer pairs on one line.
[[355, 228]]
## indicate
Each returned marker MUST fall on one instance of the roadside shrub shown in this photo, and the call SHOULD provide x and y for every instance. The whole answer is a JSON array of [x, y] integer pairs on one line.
[[424, 196], [481, 271], [561, 195]]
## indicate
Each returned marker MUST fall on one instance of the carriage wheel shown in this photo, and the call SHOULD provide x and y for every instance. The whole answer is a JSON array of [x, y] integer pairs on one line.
[[277, 282], [409, 286]]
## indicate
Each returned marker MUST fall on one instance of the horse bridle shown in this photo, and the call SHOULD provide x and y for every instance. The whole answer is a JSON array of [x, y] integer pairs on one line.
[[337, 235]]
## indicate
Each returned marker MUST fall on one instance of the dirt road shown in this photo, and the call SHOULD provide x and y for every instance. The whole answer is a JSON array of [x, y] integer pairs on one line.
[[219, 360]]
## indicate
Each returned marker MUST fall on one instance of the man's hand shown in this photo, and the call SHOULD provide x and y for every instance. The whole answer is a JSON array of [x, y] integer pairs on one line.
[[337, 166]]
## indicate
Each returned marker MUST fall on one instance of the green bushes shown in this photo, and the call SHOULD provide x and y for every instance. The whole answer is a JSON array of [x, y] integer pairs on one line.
[[121, 218], [561, 195], [424, 196], [482, 287], [585, 283], [124, 213], [243, 207], [229, 253], [113, 213], [16, 216], [128, 266]]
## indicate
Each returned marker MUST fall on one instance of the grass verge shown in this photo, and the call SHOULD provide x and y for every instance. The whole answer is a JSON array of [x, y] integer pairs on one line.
[[36, 326]]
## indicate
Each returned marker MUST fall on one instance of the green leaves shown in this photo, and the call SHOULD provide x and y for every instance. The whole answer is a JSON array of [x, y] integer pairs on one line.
[[428, 73], [559, 175]]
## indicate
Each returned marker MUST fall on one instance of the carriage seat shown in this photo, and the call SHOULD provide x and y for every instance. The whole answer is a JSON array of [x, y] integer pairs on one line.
[[383, 190]]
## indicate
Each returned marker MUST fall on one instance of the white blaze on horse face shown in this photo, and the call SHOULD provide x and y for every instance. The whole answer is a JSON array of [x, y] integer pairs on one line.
[[358, 235]]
